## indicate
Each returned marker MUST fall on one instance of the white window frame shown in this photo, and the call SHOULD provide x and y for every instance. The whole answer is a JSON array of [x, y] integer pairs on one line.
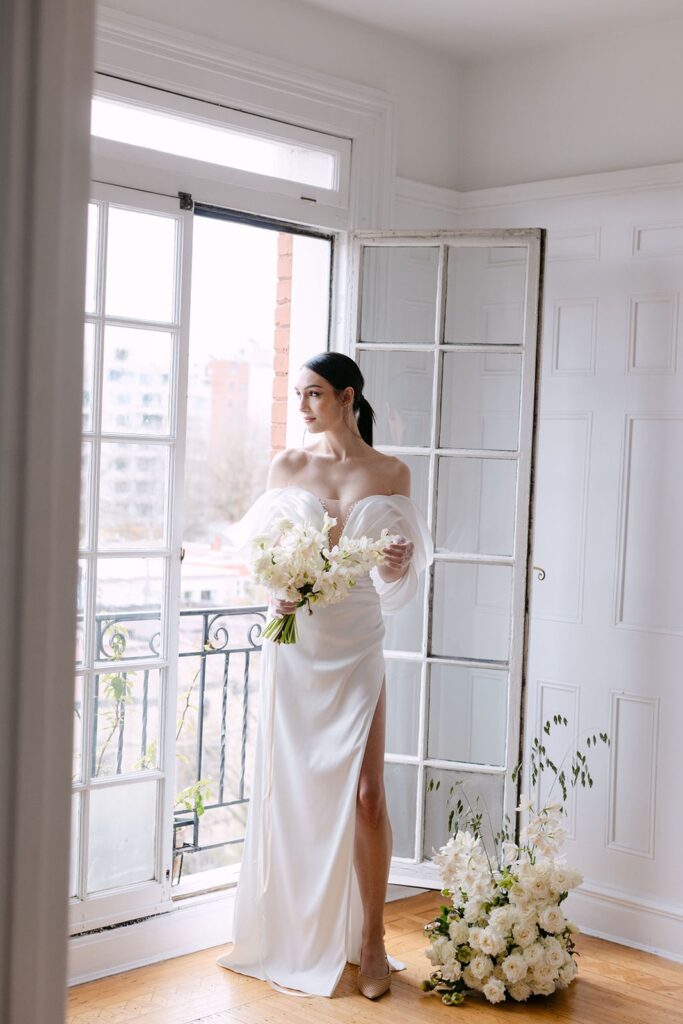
[[198, 175], [153, 896], [134, 50]]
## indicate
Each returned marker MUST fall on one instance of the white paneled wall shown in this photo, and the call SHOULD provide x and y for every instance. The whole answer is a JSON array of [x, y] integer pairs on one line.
[[606, 637]]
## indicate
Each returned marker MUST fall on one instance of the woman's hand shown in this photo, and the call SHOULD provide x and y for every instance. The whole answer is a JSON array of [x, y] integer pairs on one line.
[[397, 558], [281, 607]]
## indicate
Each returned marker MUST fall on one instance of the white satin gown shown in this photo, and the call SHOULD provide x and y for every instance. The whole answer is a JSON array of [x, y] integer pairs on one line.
[[298, 912]]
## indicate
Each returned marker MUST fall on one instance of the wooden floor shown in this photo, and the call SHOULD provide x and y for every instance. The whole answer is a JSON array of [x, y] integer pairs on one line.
[[616, 985]]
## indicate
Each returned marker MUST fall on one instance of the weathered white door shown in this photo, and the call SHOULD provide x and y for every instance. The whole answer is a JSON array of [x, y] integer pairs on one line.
[[446, 327]]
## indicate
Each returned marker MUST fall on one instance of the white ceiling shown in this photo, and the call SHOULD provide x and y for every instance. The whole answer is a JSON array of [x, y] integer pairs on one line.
[[475, 29]]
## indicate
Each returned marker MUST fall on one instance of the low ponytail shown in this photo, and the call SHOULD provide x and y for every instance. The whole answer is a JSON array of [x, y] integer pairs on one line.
[[365, 417], [344, 372]]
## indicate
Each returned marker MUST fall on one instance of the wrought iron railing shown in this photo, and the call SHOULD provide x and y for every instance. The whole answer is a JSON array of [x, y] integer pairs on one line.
[[227, 634]]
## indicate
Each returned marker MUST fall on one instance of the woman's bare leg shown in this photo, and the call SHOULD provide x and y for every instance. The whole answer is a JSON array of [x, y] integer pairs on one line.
[[372, 853]]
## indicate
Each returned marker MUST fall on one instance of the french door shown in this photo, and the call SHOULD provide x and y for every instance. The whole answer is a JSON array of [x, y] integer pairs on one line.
[[135, 380], [445, 328]]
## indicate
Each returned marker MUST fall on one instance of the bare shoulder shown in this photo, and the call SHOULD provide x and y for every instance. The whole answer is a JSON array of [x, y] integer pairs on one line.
[[285, 465], [395, 473]]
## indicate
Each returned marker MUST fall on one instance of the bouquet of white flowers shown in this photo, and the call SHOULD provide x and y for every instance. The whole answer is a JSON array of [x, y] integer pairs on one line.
[[505, 932], [300, 566]]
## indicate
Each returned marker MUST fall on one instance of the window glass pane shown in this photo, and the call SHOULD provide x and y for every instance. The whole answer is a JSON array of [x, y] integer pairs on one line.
[[126, 722], [467, 714], [88, 370], [254, 292], [129, 608], [77, 767], [81, 597], [480, 396], [304, 317], [404, 627], [91, 262], [400, 783], [86, 464], [121, 835], [403, 706], [141, 265], [472, 610], [398, 385], [419, 479], [485, 295], [476, 506], [133, 495], [136, 381], [398, 299], [484, 792], [74, 860], [213, 143]]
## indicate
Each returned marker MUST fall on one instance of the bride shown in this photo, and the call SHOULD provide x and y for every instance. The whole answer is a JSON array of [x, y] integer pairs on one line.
[[318, 842]]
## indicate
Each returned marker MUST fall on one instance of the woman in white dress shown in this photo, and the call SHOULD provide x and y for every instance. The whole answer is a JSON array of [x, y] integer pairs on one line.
[[318, 842]]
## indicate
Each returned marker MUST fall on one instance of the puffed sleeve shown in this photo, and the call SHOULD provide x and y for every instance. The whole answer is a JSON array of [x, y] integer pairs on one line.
[[259, 520], [402, 516]]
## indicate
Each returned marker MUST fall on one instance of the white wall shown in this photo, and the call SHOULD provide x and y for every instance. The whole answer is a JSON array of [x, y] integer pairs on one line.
[[423, 85], [607, 620], [606, 103]]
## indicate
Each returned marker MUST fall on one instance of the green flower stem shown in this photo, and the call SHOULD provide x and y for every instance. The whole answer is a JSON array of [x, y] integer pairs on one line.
[[282, 629]]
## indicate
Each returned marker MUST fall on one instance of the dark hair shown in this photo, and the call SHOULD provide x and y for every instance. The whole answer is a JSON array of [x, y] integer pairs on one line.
[[343, 372]]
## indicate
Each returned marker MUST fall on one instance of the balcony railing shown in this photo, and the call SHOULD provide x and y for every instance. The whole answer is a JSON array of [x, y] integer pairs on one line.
[[222, 642]]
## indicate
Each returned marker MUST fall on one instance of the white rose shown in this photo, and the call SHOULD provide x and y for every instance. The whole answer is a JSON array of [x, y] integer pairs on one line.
[[474, 937], [542, 988], [544, 971], [471, 980], [524, 932], [514, 967], [533, 954], [568, 971], [502, 918], [555, 953], [481, 966], [551, 919], [451, 970], [494, 990], [491, 942], [440, 950], [458, 932], [520, 991]]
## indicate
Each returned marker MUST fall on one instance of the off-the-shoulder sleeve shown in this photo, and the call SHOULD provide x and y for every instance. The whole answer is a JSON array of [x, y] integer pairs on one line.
[[259, 519], [402, 516]]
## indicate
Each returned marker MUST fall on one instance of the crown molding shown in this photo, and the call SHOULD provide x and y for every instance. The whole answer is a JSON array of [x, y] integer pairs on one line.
[[155, 39], [657, 176]]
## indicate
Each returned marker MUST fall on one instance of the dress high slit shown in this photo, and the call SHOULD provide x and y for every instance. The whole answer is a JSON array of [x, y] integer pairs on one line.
[[298, 912]]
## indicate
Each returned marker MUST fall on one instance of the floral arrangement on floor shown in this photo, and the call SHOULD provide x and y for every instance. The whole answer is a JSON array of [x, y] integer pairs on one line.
[[505, 931], [300, 566]]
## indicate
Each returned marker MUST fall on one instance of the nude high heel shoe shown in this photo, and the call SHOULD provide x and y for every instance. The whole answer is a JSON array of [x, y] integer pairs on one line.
[[371, 987]]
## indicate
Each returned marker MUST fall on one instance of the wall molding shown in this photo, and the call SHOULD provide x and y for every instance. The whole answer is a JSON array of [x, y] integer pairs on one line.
[[628, 919], [617, 697], [195, 923], [622, 524], [657, 176]]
